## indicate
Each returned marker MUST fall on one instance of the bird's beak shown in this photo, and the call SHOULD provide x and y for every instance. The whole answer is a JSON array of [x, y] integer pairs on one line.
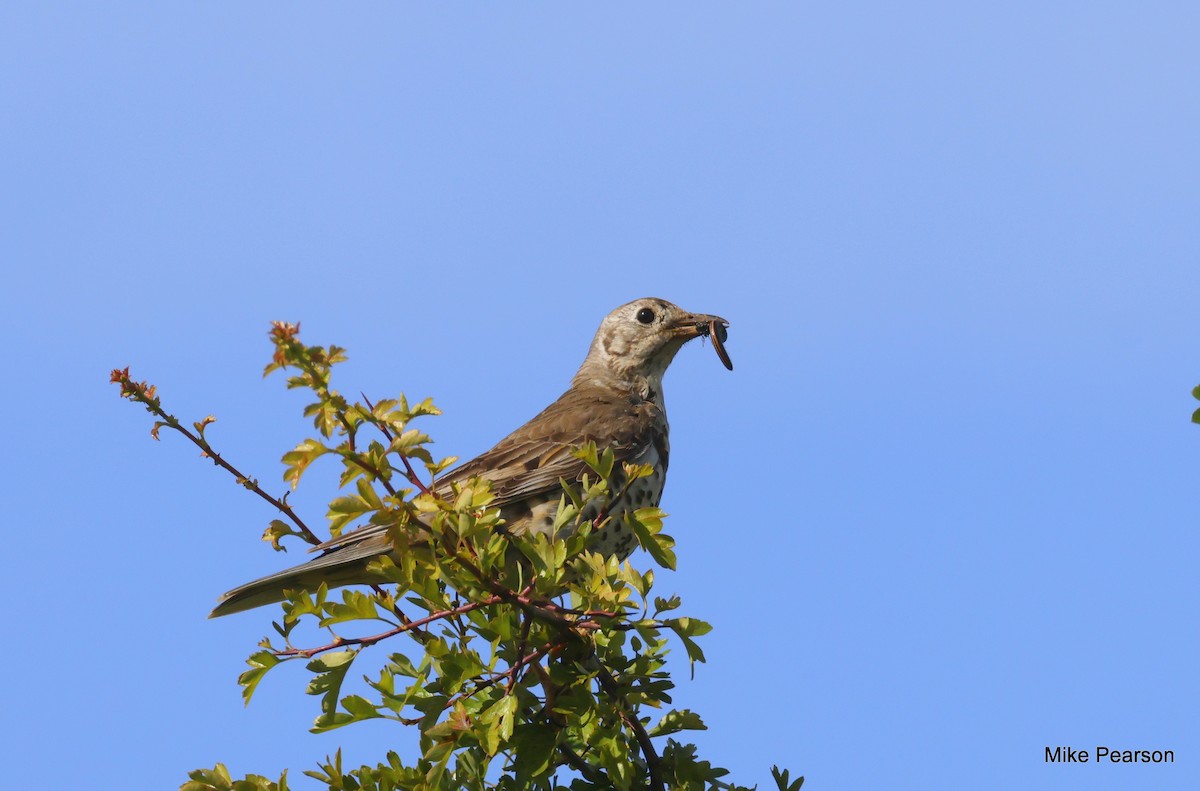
[[694, 325]]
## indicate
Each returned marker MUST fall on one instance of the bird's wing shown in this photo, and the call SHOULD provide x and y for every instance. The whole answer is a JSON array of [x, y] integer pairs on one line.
[[530, 462]]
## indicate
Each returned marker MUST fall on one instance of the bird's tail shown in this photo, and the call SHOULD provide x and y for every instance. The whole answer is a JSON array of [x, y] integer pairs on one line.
[[334, 569]]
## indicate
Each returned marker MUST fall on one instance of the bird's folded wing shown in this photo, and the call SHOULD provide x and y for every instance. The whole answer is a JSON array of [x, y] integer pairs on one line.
[[531, 462], [510, 483]]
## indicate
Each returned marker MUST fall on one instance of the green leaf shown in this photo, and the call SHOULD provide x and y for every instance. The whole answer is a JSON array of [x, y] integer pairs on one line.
[[600, 462], [439, 755], [402, 665], [355, 606], [674, 721], [647, 524], [260, 662], [331, 672], [682, 769], [343, 510], [360, 708], [299, 602], [496, 724], [331, 661], [277, 530], [407, 441], [781, 780], [297, 461], [687, 628], [368, 494], [533, 749], [426, 407], [436, 469], [326, 416], [662, 605], [635, 471], [216, 779]]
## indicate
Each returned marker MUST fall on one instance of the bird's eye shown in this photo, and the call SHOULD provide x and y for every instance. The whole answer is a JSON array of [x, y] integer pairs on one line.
[[645, 315]]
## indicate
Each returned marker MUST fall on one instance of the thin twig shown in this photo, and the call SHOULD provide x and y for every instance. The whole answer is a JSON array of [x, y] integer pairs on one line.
[[653, 762], [526, 624], [511, 673], [144, 394], [589, 772], [592, 774], [395, 608], [371, 470], [409, 472], [401, 629]]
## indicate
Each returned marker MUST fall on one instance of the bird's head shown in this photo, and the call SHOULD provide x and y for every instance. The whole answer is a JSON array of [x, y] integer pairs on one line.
[[637, 341]]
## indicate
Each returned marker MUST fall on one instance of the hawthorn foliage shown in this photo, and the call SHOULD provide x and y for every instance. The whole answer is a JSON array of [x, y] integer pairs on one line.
[[524, 663]]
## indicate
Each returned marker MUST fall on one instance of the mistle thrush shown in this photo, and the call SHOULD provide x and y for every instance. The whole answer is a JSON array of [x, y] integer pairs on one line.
[[615, 400]]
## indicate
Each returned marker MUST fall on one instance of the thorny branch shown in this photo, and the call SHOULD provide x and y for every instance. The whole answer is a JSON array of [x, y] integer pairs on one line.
[[145, 394], [342, 642], [653, 762], [511, 673], [409, 472]]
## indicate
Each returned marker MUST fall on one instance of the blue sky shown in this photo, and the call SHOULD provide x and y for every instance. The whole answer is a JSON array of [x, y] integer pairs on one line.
[[943, 512]]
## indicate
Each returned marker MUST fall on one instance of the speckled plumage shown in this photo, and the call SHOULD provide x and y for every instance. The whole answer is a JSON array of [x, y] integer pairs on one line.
[[615, 400]]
